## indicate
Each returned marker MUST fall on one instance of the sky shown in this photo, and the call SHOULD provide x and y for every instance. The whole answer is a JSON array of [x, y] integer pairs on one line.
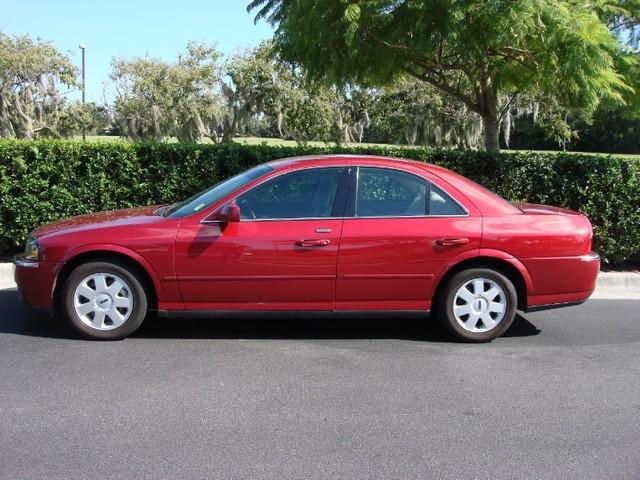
[[128, 29]]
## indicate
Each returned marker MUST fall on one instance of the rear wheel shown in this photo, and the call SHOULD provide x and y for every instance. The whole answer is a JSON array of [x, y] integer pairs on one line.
[[104, 301], [478, 305]]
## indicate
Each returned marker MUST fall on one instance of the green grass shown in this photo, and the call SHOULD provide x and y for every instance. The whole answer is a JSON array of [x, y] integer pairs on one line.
[[102, 138], [632, 156], [292, 143]]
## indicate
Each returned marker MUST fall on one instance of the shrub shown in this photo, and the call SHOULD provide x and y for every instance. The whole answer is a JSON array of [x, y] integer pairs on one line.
[[42, 180]]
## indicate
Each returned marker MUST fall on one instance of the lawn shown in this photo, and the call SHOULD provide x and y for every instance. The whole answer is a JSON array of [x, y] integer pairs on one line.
[[292, 143]]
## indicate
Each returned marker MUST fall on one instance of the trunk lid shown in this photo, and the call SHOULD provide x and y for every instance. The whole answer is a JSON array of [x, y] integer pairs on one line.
[[536, 209]]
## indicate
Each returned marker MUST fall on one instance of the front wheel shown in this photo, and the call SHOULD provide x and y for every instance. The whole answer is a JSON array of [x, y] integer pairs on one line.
[[478, 305], [104, 301]]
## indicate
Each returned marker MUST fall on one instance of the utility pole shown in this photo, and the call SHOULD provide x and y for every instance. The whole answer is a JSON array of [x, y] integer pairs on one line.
[[83, 48]]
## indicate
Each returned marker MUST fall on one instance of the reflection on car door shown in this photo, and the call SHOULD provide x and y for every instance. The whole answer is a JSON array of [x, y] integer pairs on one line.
[[282, 255]]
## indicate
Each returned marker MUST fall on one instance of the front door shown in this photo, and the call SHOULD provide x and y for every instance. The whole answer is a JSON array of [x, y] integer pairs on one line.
[[282, 255]]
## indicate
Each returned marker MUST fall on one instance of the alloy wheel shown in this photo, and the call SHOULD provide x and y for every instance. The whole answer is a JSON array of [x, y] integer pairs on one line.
[[479, 305], [103, 301]]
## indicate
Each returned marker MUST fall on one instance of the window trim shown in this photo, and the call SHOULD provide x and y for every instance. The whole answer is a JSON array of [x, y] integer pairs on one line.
[[348, 181], [354, 197], [344, 172]]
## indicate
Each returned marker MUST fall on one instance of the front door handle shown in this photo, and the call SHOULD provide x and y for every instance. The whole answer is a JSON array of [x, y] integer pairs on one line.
[[313, 243], [451, 241]]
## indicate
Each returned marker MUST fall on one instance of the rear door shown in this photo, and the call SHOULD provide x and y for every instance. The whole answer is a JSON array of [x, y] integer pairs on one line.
[[399, 232]]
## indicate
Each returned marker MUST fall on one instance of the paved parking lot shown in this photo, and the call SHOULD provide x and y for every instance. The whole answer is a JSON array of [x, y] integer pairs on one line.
[[558, 397]]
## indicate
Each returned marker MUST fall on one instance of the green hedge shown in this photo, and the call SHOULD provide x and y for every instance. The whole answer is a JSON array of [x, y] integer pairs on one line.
[[41, 181]]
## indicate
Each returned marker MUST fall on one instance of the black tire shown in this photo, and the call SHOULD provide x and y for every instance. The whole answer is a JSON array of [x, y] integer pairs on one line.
[[135, 289], [447, 298]]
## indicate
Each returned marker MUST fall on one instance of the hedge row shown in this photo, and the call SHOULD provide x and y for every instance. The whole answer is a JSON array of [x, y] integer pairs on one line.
[[41, 181]]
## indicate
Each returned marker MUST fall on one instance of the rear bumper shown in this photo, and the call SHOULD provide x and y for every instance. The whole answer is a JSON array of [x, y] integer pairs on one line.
[[36, 282], [551, 306], [562, 281]]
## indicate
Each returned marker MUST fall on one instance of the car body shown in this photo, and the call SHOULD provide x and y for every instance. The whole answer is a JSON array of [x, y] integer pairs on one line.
[[334, 233]]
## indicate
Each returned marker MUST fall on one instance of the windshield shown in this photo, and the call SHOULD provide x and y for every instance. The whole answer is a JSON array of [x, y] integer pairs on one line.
[[213, 194]]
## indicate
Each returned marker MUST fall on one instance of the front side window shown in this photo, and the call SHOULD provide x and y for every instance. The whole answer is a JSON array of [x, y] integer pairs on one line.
[[306, 193], [210, 196]]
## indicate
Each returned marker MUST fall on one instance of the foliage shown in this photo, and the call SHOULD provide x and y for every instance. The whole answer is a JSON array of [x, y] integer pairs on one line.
[[41, 181], [31, 72], [264, 85], [78, 117], [259, 85], [260, 93], [413, 112], [623, 18], [488, 55], [610, 130], [157, 99]]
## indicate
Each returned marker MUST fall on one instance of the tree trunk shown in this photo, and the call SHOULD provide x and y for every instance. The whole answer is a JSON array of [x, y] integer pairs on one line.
[[230, 131], [489, 111], [491, 133], [228, 135]]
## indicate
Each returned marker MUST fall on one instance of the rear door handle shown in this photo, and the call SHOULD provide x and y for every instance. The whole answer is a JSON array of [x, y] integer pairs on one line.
[[313, 243], [451, 241]]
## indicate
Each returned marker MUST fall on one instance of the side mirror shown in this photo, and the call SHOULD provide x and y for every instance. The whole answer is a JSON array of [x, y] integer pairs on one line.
[[229, 213]]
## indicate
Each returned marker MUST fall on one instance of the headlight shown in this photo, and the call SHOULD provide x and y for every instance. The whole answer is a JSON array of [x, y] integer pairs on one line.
[[32, 250]]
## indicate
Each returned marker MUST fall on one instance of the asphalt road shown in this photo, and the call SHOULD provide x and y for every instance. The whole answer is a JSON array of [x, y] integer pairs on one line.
[[558, 397]]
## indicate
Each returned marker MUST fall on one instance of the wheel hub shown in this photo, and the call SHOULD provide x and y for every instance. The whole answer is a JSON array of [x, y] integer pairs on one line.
[[480, 304], [104, 302]]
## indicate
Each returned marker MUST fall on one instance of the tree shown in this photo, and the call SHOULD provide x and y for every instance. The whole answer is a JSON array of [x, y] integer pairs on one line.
[[353, 103], [31, 73], [487, 54], [77, 117], [259, 84], [156, 99], [263, 85], [413, 112]]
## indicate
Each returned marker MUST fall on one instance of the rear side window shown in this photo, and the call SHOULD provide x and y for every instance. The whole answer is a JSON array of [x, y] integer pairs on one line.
[[440, 203], [306, 193], [383, 192]]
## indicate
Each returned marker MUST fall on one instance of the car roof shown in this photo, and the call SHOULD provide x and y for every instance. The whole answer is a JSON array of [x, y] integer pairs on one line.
[[333, 159], [485, 200]]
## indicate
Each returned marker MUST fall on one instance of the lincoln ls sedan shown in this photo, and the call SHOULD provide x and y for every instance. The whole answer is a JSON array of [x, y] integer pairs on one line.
[[332, 234]]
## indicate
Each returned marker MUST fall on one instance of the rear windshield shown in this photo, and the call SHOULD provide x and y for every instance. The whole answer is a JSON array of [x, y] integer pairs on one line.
[[499, 202]]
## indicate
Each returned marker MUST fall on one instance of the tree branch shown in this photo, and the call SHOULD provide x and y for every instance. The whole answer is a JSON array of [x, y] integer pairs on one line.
[[506, 108], [518, 55], [468, 101]]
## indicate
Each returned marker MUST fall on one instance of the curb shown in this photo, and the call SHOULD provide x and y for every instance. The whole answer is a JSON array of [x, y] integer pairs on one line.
[[6, 275], [612, 285], [618, 285]]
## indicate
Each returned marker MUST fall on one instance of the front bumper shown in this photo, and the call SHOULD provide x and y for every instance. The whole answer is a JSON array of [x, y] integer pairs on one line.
[[36, 281]]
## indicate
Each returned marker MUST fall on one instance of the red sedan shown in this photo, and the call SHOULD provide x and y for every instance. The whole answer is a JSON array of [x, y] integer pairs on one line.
[[335, 234]]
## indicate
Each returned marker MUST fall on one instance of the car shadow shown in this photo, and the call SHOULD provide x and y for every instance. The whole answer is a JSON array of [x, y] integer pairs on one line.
[[19, 319]]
